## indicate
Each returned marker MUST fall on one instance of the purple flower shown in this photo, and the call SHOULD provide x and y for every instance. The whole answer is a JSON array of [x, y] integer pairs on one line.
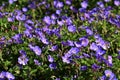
[[58, 12], [107, 0], [12, 1], [47, 20], [23, 60], [100, 3], [117, 2], [53, 22], [68, 55], [36, 62], [89, 31], [107, 63], [56, 31], [66, 58], [53, 16], [22, 52], [118, 54], [100, 51], [18, 12], [47, 30], [68, 21], [44, 40], [109, 73], [9, 76], [17, 38], [68, 2], [39, 33], [93, 47], [64, 43], [10, 19], [32, 5], [74, 50], [87, 15], [50, 58], [82, 18], [10, 41], [110, 59], [52, 66], [29, 22], [55, 3], [53, 48], [59, 4], [77, 44], [104, 44], [28, 33], [24, 9], [70, 43], [1, 14], [2, 41], [95, 67], [84, 41], [36, 49], [41, 37], [28, 26], [97, 36], [83, 68], [84, 4], [21, 17], [91, 20], [102, 78], [73, 9], [14, 28], [2, 75], [86, 55], [57, 79], [47, 6], [60, 22], [82, 10], [100, 58], [72, 28]]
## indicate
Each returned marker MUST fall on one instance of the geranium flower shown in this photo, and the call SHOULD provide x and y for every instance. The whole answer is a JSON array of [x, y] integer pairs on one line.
[[36, 49], [84, 4], [23, 60]]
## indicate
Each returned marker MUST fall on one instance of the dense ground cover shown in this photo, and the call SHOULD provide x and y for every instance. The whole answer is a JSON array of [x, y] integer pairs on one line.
[[60, 39]]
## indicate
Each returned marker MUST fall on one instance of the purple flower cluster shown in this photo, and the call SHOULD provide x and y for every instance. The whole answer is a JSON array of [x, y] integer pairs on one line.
[[6, 75], [64, 34], [36, 49], [23, 58], [108, 75]]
